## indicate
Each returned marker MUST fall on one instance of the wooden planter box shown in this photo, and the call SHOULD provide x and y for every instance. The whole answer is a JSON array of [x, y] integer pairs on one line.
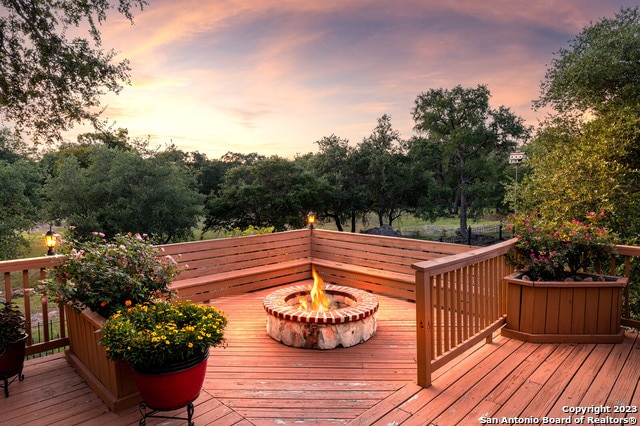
[[112, 381], [562, 312]]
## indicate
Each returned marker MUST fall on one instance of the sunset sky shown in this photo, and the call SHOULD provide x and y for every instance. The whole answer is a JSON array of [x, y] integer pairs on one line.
[[274, 76]]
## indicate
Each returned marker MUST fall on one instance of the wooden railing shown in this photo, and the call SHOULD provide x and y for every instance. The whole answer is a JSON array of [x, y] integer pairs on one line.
[[28, 272], [460, 301], [622, 260], [460, 296]]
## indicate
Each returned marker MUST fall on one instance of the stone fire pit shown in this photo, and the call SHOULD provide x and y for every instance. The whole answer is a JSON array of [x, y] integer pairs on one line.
[[352, 319]]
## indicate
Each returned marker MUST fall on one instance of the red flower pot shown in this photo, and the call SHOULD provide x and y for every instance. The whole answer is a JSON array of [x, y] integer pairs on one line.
[[173, 386]]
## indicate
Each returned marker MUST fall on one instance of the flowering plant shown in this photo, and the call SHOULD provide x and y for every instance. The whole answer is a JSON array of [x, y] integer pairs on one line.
[[106, 276], [11, 324], [547, 250], [152, 335]]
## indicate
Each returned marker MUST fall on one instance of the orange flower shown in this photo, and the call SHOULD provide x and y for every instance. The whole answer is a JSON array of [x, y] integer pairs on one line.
[[127, 303], [103, 304]]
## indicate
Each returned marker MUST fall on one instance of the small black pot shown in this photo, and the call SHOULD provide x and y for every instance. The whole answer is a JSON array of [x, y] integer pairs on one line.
[[11, 363]]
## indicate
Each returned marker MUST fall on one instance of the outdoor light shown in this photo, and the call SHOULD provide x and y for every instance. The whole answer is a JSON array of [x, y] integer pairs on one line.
[[311, 219], [50, 240]]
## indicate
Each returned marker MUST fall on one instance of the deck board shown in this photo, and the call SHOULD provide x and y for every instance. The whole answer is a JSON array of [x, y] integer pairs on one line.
[[258, 381]]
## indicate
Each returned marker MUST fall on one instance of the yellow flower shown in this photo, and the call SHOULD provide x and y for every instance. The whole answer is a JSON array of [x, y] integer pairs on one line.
[[190, 344]]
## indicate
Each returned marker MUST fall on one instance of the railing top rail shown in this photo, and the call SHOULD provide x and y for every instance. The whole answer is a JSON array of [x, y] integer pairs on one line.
[[450, 263], [30, 263], [457, 261], [624, 250], [233, 241], [385, 240]]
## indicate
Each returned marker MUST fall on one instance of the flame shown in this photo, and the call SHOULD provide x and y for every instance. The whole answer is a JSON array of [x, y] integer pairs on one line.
[[319, 299]]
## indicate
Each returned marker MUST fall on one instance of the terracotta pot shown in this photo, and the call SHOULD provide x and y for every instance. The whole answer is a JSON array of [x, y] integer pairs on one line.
[[565, 311], [173, 386], [11, 363]]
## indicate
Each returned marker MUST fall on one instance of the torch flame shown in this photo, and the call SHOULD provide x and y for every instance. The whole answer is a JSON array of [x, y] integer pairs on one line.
[[319, 299]]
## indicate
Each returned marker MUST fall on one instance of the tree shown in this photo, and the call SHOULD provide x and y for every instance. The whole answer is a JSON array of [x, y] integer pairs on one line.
[[335, 164], [431, 199], [49, 82], [118, 139], [579, 168], [585, 157], [121, 191], [271, 192], [599, 71], [13, 148], [21, 180], [381, 162], [473, 141], [19, 183]]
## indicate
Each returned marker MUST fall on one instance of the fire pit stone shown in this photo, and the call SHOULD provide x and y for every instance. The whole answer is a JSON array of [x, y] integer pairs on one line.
[[351, 321]]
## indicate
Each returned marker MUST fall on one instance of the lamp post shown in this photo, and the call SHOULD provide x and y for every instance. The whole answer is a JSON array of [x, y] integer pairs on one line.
[[50, 241], [311, 219], [517, 158]]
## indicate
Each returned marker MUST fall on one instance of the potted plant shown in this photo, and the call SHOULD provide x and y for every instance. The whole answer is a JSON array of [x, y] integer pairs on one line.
[[12, 344], [93, 280], [546, 250], [167, 345], [554, 296]]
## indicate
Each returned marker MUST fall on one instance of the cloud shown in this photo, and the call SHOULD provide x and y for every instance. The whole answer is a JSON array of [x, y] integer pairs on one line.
[[282, 74]]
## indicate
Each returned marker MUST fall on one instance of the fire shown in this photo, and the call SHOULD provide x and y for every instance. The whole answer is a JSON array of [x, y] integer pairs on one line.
[[319, 299]]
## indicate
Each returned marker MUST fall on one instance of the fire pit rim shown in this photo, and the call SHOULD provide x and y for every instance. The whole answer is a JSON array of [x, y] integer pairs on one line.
[[276, 305]]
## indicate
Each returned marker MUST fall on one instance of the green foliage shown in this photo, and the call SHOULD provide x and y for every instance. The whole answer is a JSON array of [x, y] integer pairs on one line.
[[153, 335], [123, 191], [381, 163], [48, 81], [19, 205], [547, 249], [335, 164], [106, 276], [11, 324], [251, 230], [586, 157], [466, 145], [598, 72], [271, 192], [576, 167]]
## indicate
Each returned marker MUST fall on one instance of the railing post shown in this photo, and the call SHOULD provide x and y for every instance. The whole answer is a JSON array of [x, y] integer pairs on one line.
[[424, 327]]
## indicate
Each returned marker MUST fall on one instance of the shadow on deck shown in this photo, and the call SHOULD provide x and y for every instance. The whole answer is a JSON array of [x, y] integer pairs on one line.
[[257, 381]]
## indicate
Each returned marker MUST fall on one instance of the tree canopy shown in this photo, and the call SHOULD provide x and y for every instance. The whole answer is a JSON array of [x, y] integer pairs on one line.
[[599, 71], [271, 192], [50, 81], [586, 155], [121, 191], [470, 142]]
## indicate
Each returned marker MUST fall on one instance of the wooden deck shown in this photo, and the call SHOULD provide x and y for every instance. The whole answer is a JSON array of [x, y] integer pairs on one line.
[[257, 381]]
